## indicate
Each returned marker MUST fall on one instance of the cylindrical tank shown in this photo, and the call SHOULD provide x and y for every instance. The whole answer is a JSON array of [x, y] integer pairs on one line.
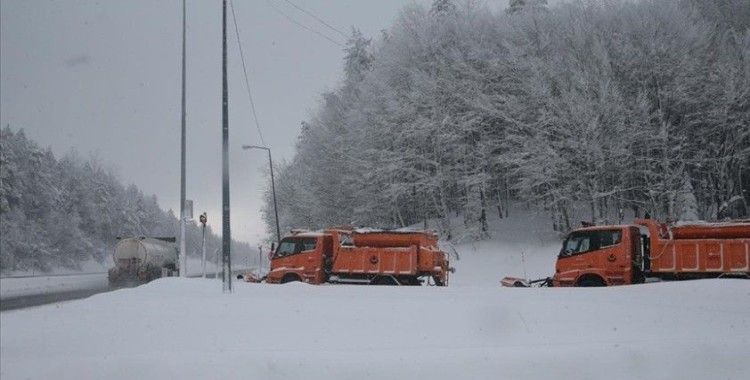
[[394, 239], [146, 252], [729, 230]]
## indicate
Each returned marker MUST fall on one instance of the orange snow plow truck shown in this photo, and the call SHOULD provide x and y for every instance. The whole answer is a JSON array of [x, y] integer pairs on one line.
[[360, 257], [648, 251]]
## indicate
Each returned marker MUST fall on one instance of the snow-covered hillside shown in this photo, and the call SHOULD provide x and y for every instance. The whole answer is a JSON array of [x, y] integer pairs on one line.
[[473, 329], [521, 244]]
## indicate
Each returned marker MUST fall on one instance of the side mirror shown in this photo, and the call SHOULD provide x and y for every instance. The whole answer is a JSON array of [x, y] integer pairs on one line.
[[273, 247]]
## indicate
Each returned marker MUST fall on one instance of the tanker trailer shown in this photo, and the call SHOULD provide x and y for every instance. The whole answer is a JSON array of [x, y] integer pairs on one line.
[[141, 259]]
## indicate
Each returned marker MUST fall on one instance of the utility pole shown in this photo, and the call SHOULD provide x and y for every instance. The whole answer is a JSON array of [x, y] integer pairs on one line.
[[273, 188], [183, 248], [203, 219], [275, 207], [226, 230]]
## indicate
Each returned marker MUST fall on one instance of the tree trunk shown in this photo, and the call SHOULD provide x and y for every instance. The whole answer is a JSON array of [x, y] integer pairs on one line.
[[507, 197], [566, 218], [483, 214], [499, 205]]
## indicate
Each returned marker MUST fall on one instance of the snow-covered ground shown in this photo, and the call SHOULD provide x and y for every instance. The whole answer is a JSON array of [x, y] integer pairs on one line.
[[185, 328], [473, 329]]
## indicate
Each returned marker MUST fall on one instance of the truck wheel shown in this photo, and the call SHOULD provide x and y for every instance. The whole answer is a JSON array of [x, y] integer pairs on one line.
[[114, 281], [113, 276], [290, 278], [171, 269], [412, 281], [591, 282]]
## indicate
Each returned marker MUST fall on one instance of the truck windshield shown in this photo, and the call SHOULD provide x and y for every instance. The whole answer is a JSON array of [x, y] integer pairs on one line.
[[585, 241], [291, 246]]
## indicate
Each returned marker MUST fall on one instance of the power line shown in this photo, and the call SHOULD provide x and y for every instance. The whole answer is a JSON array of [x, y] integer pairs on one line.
[[317, 18], [244, 70], [279, 11]]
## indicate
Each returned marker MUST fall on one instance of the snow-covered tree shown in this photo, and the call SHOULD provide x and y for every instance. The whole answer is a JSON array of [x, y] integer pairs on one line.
[[581, 108], [60, 213]]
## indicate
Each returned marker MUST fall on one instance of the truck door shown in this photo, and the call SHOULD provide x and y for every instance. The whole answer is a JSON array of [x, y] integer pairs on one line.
[[616, 256], [282, 258], [311, 251], [593, 252], [298, 256], [574, 258]]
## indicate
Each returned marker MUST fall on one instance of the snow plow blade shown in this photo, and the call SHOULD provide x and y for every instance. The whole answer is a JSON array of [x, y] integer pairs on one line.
[[250, 277], [514, 282]]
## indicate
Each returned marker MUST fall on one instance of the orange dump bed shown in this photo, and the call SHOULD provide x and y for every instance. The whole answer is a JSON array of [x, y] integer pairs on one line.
[[376, 260], [700, 248]]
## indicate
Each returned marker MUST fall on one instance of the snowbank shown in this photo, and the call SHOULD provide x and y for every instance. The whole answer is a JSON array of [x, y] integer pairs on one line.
[[186, 328]]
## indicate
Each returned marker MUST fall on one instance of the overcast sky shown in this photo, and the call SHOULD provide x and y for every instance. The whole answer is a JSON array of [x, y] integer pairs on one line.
[[103, 77]]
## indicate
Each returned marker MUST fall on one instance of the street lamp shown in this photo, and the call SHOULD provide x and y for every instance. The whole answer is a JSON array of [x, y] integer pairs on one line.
[[183, 247], [273, 188]]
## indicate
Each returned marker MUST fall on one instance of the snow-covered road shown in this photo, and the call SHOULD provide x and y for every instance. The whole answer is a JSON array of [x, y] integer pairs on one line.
[[27, 286], [73, 283]]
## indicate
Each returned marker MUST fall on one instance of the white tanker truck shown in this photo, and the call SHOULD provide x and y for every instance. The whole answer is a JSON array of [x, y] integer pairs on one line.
[[142, 259]]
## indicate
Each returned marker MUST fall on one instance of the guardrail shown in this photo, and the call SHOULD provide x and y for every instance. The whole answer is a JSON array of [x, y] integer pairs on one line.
[[99, 273], [54, 275]]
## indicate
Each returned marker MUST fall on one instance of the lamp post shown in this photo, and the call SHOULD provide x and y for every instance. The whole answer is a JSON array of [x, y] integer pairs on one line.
[[273, 188], [183, 248]]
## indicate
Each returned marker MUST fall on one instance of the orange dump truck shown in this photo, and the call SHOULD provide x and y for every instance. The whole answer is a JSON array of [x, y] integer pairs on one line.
[[361, 257], [630, 254]]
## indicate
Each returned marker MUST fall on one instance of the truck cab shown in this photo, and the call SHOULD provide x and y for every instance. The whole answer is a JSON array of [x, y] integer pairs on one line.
[[600, 256], [301, 257]]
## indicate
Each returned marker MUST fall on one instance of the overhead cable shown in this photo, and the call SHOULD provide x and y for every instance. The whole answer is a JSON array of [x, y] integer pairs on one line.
[[317, 18], [244, 70], [279, 11]]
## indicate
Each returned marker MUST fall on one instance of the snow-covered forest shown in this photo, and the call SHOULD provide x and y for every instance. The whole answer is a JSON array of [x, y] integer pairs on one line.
[[588, 111], [62, 212]]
